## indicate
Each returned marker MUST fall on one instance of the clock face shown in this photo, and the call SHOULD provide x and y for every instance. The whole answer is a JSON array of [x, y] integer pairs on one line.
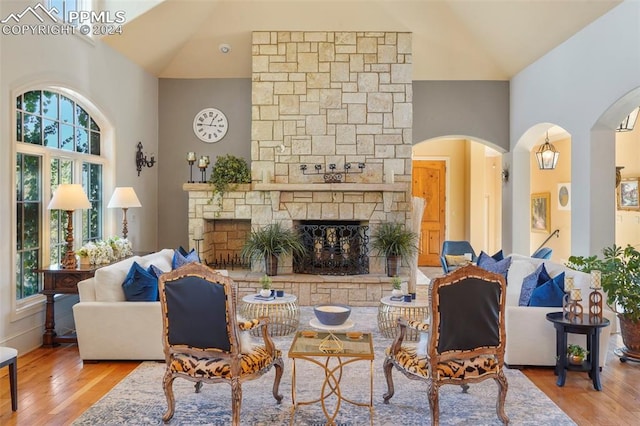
[[210, 125]]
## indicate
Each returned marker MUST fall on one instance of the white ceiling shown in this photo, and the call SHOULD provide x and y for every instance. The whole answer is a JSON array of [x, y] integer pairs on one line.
[[452, 39]]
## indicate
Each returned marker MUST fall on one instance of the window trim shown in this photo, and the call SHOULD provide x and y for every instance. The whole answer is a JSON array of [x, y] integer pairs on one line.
[[35, 304]]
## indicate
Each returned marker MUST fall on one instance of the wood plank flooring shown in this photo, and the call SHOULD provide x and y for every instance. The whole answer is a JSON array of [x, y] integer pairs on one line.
[[55, 387]]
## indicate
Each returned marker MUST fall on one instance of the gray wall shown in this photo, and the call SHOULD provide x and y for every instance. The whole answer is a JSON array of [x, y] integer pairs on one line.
[[479, 109], [179, 101]]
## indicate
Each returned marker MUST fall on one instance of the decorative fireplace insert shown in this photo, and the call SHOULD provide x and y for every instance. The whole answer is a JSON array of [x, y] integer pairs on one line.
[[333, 248]]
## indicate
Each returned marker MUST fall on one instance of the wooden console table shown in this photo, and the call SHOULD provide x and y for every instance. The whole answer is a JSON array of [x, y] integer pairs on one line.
[[60, 281]]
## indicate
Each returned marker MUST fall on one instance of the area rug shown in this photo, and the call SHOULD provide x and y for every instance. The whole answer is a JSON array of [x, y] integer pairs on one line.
[[139, 400]]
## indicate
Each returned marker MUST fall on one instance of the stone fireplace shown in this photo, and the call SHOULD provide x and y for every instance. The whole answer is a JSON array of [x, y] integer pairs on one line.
[[321, 98]]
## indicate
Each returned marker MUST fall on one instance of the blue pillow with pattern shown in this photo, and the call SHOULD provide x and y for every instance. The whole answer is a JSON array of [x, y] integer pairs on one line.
[[140, 285], [497, 266], [180, 259], [530, 282], [549, 294]]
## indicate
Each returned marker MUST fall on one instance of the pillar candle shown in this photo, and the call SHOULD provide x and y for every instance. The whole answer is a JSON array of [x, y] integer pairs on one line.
[[197, 233], [568, 284], [575, 294], [596, 279], [191, 156], [202, 162]]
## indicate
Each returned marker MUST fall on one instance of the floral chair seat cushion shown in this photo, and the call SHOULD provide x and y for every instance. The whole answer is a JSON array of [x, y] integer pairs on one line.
[[454, 369], [212, 368]]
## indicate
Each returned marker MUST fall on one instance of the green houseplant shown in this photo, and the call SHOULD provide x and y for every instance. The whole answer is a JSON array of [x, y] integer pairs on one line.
[[227, 172], [576, 354], [265, 284], [269, 243], [620, 269], [394, 241], [396, 284]]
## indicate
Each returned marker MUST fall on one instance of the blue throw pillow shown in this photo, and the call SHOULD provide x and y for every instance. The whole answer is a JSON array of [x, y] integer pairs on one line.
[[180, 259], [140, 285], [530, 282], [549, 294], [497, 266], [498, 256]]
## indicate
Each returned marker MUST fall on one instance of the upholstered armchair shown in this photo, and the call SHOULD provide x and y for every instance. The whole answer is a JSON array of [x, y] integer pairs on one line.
[[453, 255], [466, 338], [201, 336]]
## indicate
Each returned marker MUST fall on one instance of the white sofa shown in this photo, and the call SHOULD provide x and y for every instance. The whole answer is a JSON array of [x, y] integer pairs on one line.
[[531, 339]]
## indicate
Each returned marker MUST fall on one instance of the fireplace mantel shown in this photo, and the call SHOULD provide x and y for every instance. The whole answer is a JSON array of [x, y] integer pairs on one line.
[[307, 187]]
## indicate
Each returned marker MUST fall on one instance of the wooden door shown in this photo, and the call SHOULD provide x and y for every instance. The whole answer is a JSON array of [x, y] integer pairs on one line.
[[429, 183]]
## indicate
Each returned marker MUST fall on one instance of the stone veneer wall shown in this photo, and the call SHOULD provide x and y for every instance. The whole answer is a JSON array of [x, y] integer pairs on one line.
[[319, 98]]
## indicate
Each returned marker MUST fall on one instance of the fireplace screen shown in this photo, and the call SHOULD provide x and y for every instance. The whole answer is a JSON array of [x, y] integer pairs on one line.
[[333, 248]]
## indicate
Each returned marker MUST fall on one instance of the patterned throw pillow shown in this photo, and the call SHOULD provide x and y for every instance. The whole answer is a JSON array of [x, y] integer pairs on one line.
[[530, 282], [140, 285], [456, 260], [180, 259], [497, 266], [549, 294]]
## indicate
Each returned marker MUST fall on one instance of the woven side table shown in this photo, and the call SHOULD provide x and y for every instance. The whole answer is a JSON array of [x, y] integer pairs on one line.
[[283, 313]]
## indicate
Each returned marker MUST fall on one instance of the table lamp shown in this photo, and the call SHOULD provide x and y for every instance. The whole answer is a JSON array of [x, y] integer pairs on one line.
[[124, 198], [69, 197]]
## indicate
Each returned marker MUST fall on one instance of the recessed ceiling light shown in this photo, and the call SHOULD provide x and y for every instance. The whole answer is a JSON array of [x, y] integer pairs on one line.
[[225, 48]]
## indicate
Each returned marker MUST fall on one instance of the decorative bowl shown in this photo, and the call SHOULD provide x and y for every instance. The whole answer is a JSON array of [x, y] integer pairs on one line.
[[332, 313]]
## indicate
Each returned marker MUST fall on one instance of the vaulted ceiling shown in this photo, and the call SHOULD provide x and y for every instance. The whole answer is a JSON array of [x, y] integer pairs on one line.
[[452, 39]]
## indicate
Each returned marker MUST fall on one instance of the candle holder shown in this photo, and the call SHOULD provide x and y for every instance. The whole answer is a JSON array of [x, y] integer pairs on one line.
[[575, 310], [191, 159], [203, 163], [595, 305]]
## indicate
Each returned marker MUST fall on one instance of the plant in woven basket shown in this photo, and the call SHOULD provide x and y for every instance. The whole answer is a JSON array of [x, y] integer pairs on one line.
[[227, 172]]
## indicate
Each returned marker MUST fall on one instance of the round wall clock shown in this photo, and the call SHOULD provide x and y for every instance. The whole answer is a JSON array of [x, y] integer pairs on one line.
[[210, 125]]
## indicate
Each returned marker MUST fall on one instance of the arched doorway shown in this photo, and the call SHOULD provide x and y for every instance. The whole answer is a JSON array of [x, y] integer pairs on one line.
[[460, 179]]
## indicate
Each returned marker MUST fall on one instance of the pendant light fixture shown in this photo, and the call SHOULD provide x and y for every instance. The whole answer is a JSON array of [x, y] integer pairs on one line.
[[547, 155]]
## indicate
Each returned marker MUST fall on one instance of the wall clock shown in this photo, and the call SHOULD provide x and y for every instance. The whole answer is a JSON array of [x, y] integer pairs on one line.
[[210, 125]]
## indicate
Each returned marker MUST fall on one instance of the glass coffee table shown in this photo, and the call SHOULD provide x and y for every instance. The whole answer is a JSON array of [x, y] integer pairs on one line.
[[307, 346]]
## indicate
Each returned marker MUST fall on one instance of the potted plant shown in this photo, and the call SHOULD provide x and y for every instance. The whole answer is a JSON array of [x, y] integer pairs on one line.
[[576, 354], [395, 242], [269, 243], [396, 283], [265, 284], [620, 268], [226, 173]]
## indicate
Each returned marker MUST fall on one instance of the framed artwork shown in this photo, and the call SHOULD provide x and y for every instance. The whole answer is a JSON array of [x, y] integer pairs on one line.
[[564, 196], [541, 212], [628, 194]]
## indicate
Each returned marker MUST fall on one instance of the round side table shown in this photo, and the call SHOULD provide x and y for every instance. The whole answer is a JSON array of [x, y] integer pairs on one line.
[[283, 313], [390, 310]]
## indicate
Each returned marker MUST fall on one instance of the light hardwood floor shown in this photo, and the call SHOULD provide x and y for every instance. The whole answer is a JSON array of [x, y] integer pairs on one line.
[[55, 387]]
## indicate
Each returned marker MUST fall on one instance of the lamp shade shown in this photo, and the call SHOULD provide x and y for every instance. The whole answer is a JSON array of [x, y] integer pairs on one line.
[[69, 196], [124, 197]]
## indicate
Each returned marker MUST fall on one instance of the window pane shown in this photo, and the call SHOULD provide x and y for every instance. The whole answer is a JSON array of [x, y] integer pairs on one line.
[[32, 126], [19, 126], [31, 101], [50, 105], [50, 133], [19, 102], [31, 225], [92, 219], [95, 143], [82, 140], [82, 118], [30, 264], [31, 178], [94, 126], [19, 228], [66, 137], [66, 110]]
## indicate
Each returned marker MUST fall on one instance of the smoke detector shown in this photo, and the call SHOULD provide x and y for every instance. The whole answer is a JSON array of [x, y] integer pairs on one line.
[[224, 48]]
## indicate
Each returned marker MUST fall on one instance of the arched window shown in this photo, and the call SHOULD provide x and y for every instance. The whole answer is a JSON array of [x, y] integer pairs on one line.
[[57, 141]]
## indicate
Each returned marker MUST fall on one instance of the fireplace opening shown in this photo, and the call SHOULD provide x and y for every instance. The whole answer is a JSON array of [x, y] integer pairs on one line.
[[333, 248]]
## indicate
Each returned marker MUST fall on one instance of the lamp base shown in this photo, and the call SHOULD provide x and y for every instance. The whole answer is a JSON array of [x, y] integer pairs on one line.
[[69, 261]]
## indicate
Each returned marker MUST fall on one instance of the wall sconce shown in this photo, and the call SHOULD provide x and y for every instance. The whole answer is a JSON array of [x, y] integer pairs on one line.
[[141, 159], [332, 176], [547, 155], [69, 197], [505, 174]]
